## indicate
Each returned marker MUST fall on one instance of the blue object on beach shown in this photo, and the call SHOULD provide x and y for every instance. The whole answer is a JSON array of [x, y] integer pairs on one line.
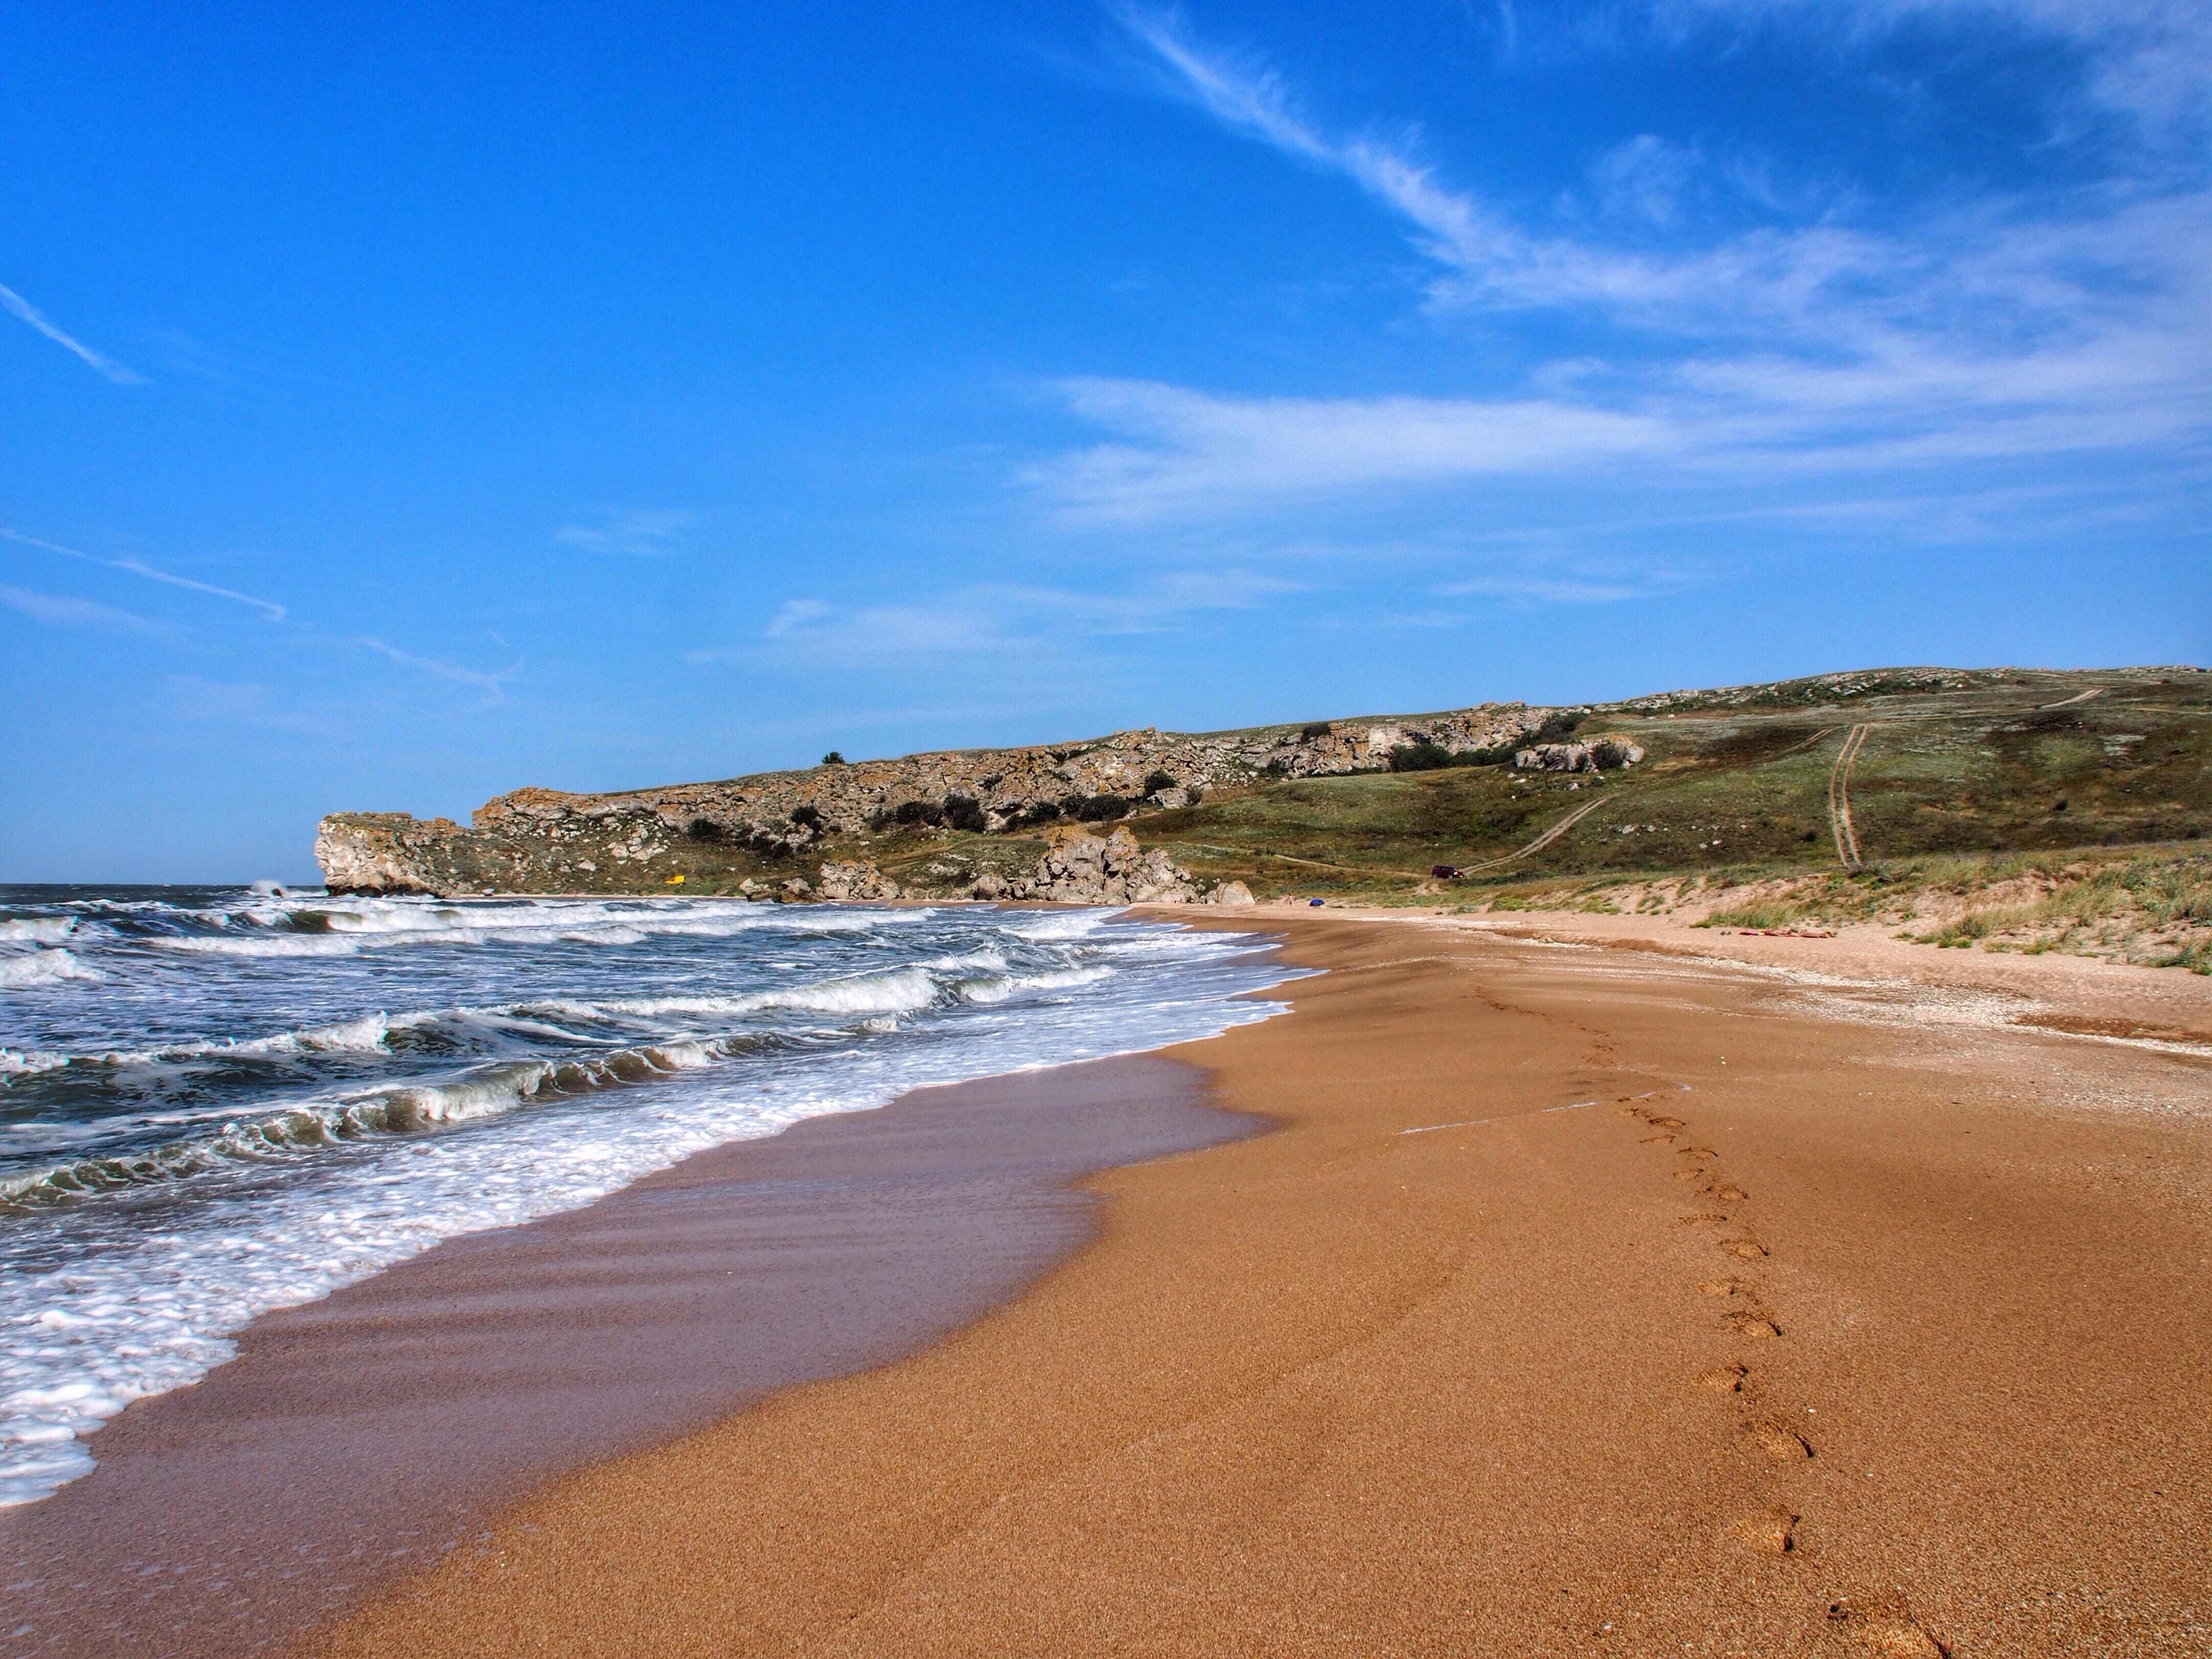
[[1314, 903]]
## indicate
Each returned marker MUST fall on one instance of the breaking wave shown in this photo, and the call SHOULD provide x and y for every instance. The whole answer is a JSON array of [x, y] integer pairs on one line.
[[406, 1110], [237, 1100], [43, 967]]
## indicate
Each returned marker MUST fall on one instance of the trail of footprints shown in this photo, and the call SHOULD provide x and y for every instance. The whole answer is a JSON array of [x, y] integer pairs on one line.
[[1735, 1286]]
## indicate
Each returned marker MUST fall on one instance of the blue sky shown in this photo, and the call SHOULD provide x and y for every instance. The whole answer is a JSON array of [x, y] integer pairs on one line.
[[398, 409]]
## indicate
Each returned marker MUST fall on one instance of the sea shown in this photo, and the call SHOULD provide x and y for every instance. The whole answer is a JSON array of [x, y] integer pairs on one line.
[[218, 1100]]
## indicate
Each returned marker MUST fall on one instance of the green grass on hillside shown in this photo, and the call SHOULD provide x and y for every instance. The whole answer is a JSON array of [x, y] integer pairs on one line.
[[1984, 769]]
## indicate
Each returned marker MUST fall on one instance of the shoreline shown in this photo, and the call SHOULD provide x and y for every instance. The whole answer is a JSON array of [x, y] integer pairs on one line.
[[1710, 1316], [368, 1433]]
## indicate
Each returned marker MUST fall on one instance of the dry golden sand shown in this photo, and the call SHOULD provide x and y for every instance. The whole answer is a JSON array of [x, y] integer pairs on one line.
[[1886, 1334]]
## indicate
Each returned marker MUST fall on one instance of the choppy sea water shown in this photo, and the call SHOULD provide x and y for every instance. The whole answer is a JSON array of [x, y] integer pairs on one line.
[[215, 1102]]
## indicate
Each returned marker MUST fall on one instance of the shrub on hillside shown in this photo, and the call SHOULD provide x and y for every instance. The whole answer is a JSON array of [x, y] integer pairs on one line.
[[1098, 809], [966, 813], [1155, 782], [1422, 756], [908, 815], [1318, 729]]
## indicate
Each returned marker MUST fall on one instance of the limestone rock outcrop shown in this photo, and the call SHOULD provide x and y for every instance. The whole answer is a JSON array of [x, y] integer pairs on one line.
[[642, 840], [385, 853], [1080, 868], [1232, 895], [1603, 755], [856, 879]]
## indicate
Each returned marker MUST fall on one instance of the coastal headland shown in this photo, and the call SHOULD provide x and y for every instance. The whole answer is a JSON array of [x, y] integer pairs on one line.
[[1580, 1300], [2021, 809]]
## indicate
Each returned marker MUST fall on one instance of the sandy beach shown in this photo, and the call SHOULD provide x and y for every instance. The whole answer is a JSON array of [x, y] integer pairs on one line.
[[368, 1434], [1582, 1300]]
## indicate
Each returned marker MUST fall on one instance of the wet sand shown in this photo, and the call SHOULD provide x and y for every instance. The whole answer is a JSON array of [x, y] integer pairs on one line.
[[1582, 1301], [360, 1438]]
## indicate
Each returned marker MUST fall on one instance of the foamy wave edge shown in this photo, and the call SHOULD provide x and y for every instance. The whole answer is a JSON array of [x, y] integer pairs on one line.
[[406, 1109]]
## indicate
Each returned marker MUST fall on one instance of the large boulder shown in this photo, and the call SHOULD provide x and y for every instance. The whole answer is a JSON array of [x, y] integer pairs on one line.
[[1600, 756], [1079, 867], [374, 853], [1232, 895], [856, 879]]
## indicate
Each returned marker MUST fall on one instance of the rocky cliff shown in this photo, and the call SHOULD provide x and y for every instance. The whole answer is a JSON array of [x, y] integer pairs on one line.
[[763, 833]]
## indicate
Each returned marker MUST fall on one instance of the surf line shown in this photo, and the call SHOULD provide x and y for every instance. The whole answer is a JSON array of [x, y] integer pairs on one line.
[[1468, 1123], [1570, 1106]]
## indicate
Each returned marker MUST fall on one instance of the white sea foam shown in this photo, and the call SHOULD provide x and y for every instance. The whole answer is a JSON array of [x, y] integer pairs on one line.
[[545, 1082], [43, 967], [322, 931], [998, 988], [15, 1063], [37, 929]]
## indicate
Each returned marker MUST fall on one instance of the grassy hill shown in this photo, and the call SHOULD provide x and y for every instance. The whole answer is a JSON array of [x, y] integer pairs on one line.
[[1741, 780], [1992, 794], [2043, 809]]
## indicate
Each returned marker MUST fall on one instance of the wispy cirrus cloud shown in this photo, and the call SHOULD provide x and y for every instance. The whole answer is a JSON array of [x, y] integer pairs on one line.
[[1948, 334], [493, 685], [236, 702], [1536, 587], [1003, 620], [60, 610], [2150, 60], [100, 362], [645, 533], [1181, 453], [138, 567]]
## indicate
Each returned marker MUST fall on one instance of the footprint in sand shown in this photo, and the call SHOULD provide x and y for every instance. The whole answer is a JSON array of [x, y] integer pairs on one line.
[[1704, 1154], [1745, 1249], [1756, 1326], [1703, 1219], [1730, 1194], [1770, 1532], [1664, 1122], [1891, 1632], [1780, 1442], [1725, 1379], [1724, 1287]]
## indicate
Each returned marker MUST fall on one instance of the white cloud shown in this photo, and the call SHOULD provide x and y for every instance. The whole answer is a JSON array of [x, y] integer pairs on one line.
[[12, 301], [1645, 178], [1005, 621], [188, 697], [2014, 329], [493, 685], [2151, 60], [795, 616], [1183, 452], [55, 611], [641, 532], [267, 608], [1558, 589]]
